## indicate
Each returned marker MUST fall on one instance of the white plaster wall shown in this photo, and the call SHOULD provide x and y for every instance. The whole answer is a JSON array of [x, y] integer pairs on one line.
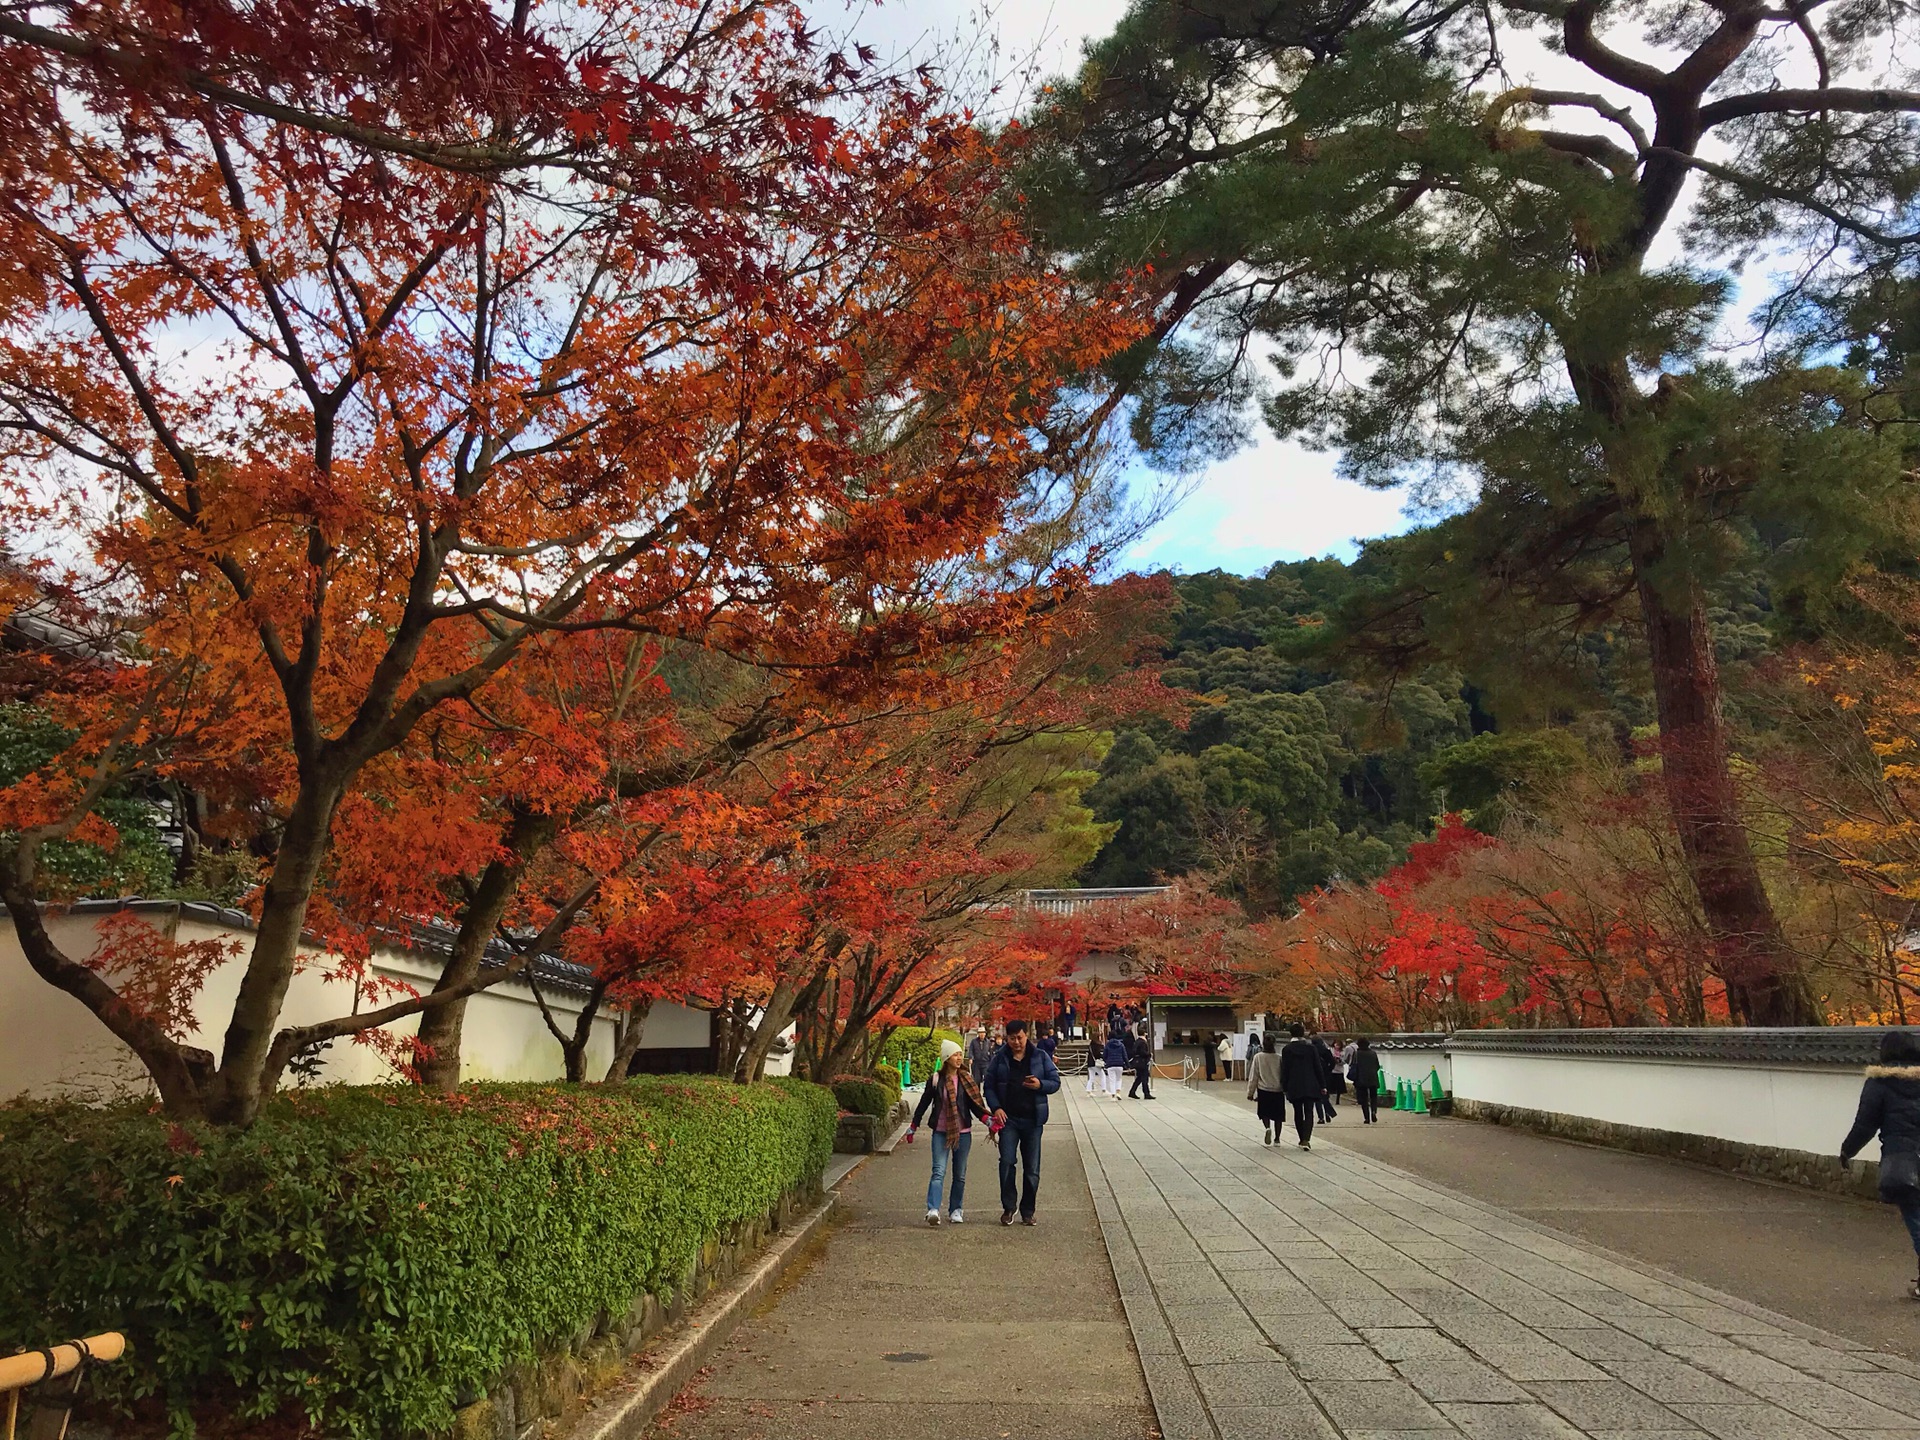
[[1793, 1109], [53, 1045]]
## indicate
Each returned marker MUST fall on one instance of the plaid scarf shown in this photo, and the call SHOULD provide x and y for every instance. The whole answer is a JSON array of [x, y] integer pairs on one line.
[[952, 1112]]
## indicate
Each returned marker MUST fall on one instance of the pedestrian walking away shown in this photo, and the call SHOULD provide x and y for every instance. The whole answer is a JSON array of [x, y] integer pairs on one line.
[[1019, 1079], [1364, 1070], [1264, 1088], [1207, 1048], [1117, 1056], [955, 1102], [1303, 1081], [1225, 1050], [1096, 1068], [1142, 1057], [979, 1051], [1890, 1108], [1329, 1083]]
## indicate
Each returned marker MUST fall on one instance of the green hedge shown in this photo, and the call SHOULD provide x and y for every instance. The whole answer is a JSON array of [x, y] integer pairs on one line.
[[864, 1095], [365, 1256], [921, 1045], [889, 1077]]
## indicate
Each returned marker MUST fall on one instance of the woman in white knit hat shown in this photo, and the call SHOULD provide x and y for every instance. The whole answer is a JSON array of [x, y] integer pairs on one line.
[[956, 1103]]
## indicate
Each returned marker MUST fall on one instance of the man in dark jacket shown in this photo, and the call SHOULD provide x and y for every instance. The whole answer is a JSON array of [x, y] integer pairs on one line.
[[979, 1051], [1364, 1071], [1329, 1071], [1019, 1078], [1301, 1082], [1142, 1061], [1890, 1109]]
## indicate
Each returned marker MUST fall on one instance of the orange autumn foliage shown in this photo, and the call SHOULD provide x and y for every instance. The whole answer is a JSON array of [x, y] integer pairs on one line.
[[369, 374]]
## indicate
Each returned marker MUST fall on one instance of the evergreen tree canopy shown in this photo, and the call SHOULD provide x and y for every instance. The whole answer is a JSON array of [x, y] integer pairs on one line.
[[1498, 292]]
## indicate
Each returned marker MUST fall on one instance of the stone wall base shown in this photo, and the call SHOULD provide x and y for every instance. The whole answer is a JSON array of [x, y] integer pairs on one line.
[[1763, 1162]]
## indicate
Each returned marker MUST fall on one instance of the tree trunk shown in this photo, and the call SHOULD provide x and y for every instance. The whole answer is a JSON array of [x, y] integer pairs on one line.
[[241, 1085], [773, 1019], [627, 1036], [1763, 979], [440, 1028]]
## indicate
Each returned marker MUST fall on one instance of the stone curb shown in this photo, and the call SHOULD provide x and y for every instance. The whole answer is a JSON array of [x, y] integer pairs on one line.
[[657, 1376]]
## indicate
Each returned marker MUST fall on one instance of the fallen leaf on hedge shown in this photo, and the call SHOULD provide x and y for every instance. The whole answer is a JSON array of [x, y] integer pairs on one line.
[[173, 1180]]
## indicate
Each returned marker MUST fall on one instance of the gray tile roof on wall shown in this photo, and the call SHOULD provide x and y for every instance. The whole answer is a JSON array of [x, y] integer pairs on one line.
[[1835, 1045], [424, 938]]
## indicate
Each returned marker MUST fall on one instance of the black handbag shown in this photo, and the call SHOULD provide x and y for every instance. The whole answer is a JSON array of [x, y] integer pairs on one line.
[[1900, 1178]]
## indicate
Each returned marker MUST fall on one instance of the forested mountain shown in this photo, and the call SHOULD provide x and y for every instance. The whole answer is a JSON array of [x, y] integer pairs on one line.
[[1288, 774], [1311, 754]]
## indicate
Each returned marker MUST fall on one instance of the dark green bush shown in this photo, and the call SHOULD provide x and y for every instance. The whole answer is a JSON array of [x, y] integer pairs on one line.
[[919, 1043], [363, 1256], [863, 1095], [889, 1077]]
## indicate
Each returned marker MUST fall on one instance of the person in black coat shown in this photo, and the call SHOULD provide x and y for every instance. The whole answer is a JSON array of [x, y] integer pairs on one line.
[[1890, 1108], [1302, 1082], [1364, 1071], [1329, 1069], [1142, 1057]]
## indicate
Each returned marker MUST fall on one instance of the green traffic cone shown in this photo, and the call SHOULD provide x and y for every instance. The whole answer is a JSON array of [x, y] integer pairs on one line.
[[1400, 1101], [1420, 1099], [1438, 1092]]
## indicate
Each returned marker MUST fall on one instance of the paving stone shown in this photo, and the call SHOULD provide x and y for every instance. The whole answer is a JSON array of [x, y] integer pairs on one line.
[[1750, 1422], [1375, 1405], [1260, 1382], [1509, 1422], [1150, 1333], [1742, 1367], [1337, 1362], [1896, 1392], [1805, 1356], [1827, 1404], [1291, 1285], [1604, 1404], [1667, 1379], [1176, 1400], [1461, 1380], [1258, 1261], [1189, 1284], [1606, 1344], [1664, 1330], [1263, 1297], [1291, 1338], [1263, 1422], [1412, 1344], [1722, 1321]]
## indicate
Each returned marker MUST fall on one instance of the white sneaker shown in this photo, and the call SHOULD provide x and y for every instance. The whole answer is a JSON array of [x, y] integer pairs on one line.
[[1266, 1135], [933, 1217], [956, 1218]]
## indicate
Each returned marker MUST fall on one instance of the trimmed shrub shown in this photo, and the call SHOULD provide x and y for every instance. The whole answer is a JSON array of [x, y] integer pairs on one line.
[[864, 1095], [889, 1077], [362, 1257], [920, 1043]]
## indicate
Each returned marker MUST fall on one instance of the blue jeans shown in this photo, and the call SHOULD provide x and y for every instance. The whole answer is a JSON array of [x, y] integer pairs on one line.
[[961, 1145], [1020, 1155], [1911, 1214]]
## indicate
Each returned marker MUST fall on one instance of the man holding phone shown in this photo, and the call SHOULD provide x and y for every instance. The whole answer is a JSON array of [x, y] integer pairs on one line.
[[1020, 1076]]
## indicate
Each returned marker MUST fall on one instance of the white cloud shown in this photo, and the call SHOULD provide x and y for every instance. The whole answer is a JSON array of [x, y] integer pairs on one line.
[[1271, 501]]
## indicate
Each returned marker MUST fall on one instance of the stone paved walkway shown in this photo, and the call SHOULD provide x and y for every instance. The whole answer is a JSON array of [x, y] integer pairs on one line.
[[896, 1331], [1295, 1296]]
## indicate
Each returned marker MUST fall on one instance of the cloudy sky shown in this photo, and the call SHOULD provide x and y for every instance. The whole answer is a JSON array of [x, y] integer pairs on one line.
[[1269, 502]]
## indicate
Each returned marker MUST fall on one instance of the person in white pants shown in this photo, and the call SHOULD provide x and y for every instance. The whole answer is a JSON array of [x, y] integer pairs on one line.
[[1096, 1073]]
